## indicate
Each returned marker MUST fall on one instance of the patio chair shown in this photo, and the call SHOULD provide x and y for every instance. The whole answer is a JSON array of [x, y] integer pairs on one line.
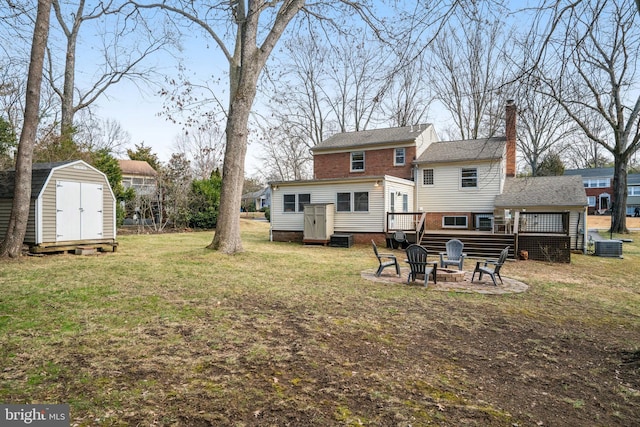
[[454, 254], [491, 267], [417, 259], [392, 261]]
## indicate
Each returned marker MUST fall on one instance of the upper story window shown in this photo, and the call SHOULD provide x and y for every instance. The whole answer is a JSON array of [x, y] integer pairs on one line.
[[357, 161], [400, 156], [427, 177], [360, 201], [633, 190], [291, 201], [469, 178], [597, 183]]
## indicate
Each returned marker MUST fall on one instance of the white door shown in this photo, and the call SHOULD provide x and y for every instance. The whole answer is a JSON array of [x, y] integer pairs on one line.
[[90, 211], [79, 211], [67, 211]]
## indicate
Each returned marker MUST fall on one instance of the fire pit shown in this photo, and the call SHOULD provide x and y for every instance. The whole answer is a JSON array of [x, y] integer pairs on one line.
[[446, 275]]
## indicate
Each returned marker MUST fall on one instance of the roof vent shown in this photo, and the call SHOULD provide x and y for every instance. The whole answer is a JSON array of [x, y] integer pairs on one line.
[[609, 248]]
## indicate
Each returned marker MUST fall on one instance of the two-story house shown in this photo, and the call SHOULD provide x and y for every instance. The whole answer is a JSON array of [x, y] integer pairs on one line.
[[371, 178], [598, 184]]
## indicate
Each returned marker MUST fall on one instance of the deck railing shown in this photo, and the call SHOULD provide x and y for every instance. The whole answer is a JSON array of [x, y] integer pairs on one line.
[[411, 222]]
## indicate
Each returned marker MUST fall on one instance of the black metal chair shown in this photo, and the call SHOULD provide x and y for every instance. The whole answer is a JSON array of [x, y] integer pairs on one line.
[[392, 260], [454, 254], [417, 260], [491, 267]]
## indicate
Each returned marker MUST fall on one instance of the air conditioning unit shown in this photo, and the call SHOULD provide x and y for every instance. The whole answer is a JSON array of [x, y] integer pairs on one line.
[[609, 248]]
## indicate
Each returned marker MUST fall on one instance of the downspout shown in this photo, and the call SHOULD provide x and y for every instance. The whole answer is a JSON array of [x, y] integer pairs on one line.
[[271, 214], [578, 229]]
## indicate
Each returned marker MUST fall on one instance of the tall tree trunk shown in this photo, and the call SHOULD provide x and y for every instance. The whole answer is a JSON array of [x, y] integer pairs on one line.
[[14, 237], [619, 207]]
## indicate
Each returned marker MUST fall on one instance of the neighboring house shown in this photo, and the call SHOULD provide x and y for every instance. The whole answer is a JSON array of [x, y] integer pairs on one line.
[[139, 175], [384, 180], [257, 200], [598, 184], [71, 204]]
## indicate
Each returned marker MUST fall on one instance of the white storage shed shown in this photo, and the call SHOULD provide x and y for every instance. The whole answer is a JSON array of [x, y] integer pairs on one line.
[[72, 205]]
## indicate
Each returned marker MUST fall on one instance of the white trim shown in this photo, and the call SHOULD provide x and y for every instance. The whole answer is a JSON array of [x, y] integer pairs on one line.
[[395, 156], [38, 220], [351, 169]]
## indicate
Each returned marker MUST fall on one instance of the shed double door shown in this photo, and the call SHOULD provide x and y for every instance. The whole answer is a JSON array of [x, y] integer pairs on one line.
[[318, 222], [79, 211]]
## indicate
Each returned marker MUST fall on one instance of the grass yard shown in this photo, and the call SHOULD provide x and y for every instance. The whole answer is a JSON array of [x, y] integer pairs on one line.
[[164, 332]]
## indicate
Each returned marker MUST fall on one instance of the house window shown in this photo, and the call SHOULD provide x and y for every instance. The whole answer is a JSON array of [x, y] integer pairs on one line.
[[360, 202], [454, 222], [303, 199], [405, 203], [392, 200], [344, 202], [399, 157], [357, 161], [592, 201], [597, 183], [469, 178], [427, 177], [291, 201], [633, 190]]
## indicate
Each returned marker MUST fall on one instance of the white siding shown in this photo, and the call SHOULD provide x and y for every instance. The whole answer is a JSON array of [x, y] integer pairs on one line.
[[446, 195], [371, 221]]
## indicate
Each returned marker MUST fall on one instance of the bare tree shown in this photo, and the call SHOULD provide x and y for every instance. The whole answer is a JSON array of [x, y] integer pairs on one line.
[[286, 152], [469, 73], [357, 82], [591, 73], [203, 147], [542, 125], [126, 44], [408, 99], [17, 227]]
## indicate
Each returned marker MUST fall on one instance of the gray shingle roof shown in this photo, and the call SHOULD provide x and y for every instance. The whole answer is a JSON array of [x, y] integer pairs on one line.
[[465, 150], [591, 172], [371, 137], [39, 174], [542, 191]]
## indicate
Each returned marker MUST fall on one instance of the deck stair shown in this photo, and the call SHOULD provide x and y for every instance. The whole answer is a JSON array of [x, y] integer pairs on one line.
[[476, 245]]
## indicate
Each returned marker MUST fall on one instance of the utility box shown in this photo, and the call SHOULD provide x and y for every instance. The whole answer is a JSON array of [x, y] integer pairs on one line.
[[609, 248], [341, 240], [318, 223]]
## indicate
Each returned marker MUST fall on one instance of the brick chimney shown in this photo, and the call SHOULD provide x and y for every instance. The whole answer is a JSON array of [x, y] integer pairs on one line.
[[510, 133]]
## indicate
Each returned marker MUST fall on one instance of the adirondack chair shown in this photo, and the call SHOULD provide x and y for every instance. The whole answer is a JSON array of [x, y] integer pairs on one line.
[[417, 259], [454, 254], [491, 267], [392, 260]]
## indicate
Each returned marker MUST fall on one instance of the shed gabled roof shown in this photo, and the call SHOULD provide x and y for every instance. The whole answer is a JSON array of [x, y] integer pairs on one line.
[[136, 167], [542, 191], [39, 174], [365, 138], [463, 150]]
